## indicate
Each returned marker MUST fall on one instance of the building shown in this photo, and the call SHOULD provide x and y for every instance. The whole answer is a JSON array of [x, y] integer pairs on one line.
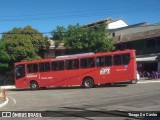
[[55, 50], [111, 24], [145, 39]]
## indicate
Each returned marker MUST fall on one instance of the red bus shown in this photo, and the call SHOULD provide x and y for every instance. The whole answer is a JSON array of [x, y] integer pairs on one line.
[[84, 70]]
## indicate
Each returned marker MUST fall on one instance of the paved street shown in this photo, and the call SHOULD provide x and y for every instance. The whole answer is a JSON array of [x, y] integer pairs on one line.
[[133, 97]]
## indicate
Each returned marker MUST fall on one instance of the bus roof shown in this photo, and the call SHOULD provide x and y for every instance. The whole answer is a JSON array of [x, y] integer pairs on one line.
[[74, 56]]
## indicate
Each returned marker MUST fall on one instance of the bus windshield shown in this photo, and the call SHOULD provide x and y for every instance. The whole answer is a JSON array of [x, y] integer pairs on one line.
[[20, 71]]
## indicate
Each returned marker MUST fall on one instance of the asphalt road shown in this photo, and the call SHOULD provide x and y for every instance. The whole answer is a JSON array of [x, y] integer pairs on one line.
[[121, 97]]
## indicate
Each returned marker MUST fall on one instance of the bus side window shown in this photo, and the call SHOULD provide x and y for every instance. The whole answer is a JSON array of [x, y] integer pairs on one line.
[[126, 58], [47, 67], [100, 61], [61, 65], [29, 68], [58, 65], [68, 64], [117, 59], [91, 62], [72, 64], [83, 63], [75, 64], [44, 67], [108, 61], [32, 68], [41, 67], [35, 68], [54, 66]]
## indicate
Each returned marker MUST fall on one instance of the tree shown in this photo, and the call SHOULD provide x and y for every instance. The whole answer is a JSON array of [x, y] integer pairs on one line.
[[58, 35], [82, 39], [4, 57], [24, 44], [39, 42]]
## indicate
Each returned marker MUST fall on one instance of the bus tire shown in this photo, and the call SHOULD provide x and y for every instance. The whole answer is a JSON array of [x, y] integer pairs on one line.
[[34, 85], [88, 82]]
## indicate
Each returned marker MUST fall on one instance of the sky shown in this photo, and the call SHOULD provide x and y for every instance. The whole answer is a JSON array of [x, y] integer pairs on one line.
[[46, 15]]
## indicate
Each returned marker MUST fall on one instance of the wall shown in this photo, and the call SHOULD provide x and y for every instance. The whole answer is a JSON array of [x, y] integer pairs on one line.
[[117, 24], [136, 29]]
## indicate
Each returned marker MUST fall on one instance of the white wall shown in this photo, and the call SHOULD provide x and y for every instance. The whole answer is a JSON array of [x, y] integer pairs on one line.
[[117, 24]]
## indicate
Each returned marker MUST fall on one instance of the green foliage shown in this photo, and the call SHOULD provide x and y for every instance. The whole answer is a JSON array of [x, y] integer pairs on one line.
[[58, 33], [4, 57], [24, 44], [82, 39]]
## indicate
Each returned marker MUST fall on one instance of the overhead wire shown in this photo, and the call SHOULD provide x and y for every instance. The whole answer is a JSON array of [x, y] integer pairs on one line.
[[78, 14]]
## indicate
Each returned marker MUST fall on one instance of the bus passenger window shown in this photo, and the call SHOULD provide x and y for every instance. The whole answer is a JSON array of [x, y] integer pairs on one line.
[[29, 68], [54, 66], [108, 61], [100, 61], [32, 68], [91, 62], [117, 60], [68, 64], [41, 67], [75, 64], [61, 65], [35, 68], [83, 63], [126, 59], [47, 67]]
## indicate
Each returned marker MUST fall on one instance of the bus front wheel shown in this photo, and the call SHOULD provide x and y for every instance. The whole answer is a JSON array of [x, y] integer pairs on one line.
[[34, 85], [88, 82]]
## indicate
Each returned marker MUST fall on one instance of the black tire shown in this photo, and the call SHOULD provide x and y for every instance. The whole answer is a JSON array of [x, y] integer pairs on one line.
[[34, 85], [88, 83], [133, 81]]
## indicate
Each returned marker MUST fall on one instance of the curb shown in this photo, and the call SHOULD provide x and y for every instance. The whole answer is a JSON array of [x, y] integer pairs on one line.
[[149, 81], [5, 102], [7, 87]]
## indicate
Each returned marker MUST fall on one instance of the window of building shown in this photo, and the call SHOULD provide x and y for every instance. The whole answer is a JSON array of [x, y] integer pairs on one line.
[[129, 45], [151, 43], [58, 52]]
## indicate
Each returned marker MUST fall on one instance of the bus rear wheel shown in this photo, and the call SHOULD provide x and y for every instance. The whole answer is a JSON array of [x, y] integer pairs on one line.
[[88, 82], [34, 85]]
